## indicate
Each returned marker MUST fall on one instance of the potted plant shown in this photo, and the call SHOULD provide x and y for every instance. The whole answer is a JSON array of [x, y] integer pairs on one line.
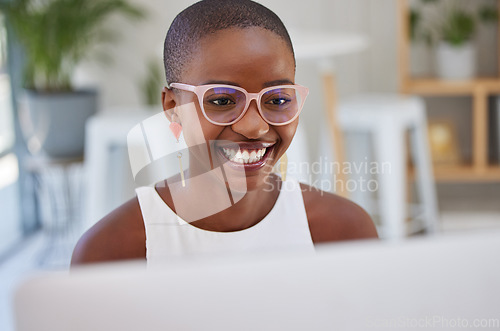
[[450, 26], [56, 35]]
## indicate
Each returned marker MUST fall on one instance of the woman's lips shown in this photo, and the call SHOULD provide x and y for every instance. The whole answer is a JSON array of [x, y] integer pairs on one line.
[[249, 156]]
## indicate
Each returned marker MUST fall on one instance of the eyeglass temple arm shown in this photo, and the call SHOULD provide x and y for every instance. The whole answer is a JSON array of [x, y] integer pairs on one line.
[[181, 86]]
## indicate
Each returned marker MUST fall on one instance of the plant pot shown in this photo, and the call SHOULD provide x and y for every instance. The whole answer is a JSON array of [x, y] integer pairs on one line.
[[456, 62], [54, 123]]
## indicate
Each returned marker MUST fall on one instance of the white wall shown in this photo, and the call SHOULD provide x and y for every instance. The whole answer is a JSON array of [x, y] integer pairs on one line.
[[140, 41], [143, 40]]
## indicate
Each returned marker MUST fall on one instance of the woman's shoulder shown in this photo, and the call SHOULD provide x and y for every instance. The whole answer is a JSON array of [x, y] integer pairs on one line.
[[334, 218], [118, 236]]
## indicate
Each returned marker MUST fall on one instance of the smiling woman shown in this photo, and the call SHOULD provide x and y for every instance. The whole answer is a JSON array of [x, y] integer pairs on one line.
[[231, 89]]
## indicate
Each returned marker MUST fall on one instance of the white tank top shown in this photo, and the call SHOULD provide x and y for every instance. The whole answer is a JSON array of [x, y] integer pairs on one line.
[[168, 236]]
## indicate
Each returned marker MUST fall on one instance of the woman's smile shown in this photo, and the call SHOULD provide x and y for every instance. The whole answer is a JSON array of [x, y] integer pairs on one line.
[[247, 155]]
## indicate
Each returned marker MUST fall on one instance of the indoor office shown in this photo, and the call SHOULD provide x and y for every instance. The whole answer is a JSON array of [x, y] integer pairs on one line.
[[329, 165]]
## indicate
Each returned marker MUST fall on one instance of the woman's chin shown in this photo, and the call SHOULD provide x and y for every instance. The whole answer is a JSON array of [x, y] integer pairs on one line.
[[238, 183]]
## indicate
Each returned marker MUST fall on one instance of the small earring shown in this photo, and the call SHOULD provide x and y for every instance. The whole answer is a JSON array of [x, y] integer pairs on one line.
[[176, 129], [283, 166], [179, 156]]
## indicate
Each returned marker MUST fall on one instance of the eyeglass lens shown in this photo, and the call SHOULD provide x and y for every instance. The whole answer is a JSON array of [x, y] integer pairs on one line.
[[225, 104]]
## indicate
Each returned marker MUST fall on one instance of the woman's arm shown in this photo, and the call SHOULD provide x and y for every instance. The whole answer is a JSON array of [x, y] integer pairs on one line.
[[333, 218], [118, 236]]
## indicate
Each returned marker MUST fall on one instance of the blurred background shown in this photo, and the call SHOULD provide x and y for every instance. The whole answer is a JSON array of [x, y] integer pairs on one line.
[[353, 55]]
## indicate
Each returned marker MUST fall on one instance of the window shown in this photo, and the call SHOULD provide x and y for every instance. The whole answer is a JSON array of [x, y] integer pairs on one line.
[[6, 123], [10, 227]]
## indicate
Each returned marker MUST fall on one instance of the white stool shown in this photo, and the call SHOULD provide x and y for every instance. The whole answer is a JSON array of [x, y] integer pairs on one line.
[[105, 132], [387, 118]]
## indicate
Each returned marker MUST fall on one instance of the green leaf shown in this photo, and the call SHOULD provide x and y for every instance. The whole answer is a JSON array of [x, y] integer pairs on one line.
[[488, 14], [459, 27], [415, 18]]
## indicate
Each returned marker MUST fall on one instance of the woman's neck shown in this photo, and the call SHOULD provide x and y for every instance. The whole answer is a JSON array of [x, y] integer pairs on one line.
[[210, 206]]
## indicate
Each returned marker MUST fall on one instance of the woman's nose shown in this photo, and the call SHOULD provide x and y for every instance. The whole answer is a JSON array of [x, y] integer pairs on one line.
[[251, 125]]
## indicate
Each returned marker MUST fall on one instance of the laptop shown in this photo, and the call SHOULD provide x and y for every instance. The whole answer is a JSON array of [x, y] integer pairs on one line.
[[441, 282]]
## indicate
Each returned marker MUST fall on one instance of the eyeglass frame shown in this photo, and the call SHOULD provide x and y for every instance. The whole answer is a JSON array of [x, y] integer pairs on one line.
[[200, 90]]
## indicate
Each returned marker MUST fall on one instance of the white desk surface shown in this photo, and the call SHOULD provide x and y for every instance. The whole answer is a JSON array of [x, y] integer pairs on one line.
[[440, 283]]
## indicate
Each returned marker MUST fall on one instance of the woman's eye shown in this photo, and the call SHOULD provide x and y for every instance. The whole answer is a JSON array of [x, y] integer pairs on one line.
[[279, 101], [222, 102]]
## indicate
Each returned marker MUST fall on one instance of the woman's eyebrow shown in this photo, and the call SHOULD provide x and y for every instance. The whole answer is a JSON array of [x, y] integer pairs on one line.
[[278, 82], [266, 84], [223, 82]]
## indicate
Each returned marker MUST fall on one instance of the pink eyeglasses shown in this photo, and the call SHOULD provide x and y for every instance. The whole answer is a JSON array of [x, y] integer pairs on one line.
[[227, 104]]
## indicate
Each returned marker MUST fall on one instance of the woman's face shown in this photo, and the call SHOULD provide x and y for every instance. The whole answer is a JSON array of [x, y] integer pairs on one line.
[[251, 58]]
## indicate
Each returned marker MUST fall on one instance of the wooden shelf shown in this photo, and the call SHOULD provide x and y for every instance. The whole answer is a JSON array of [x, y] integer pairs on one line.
[[463, 173], [434, 86], [479, 89], [467, 173]]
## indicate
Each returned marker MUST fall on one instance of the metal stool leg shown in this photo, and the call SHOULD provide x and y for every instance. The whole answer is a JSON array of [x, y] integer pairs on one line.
[[424, 179], [390, 148]]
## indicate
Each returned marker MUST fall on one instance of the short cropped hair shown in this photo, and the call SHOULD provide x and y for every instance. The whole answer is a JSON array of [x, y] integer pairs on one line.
[[209, 16]]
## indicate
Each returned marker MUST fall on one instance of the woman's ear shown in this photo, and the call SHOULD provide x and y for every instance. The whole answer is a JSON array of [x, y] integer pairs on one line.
[[169, 103]]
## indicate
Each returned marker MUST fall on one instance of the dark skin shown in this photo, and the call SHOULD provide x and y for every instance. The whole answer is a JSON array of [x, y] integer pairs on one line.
[[253, 58]]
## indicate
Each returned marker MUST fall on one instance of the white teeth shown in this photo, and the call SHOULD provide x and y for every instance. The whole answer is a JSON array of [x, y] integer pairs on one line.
[[253, 157], [244, 156]]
